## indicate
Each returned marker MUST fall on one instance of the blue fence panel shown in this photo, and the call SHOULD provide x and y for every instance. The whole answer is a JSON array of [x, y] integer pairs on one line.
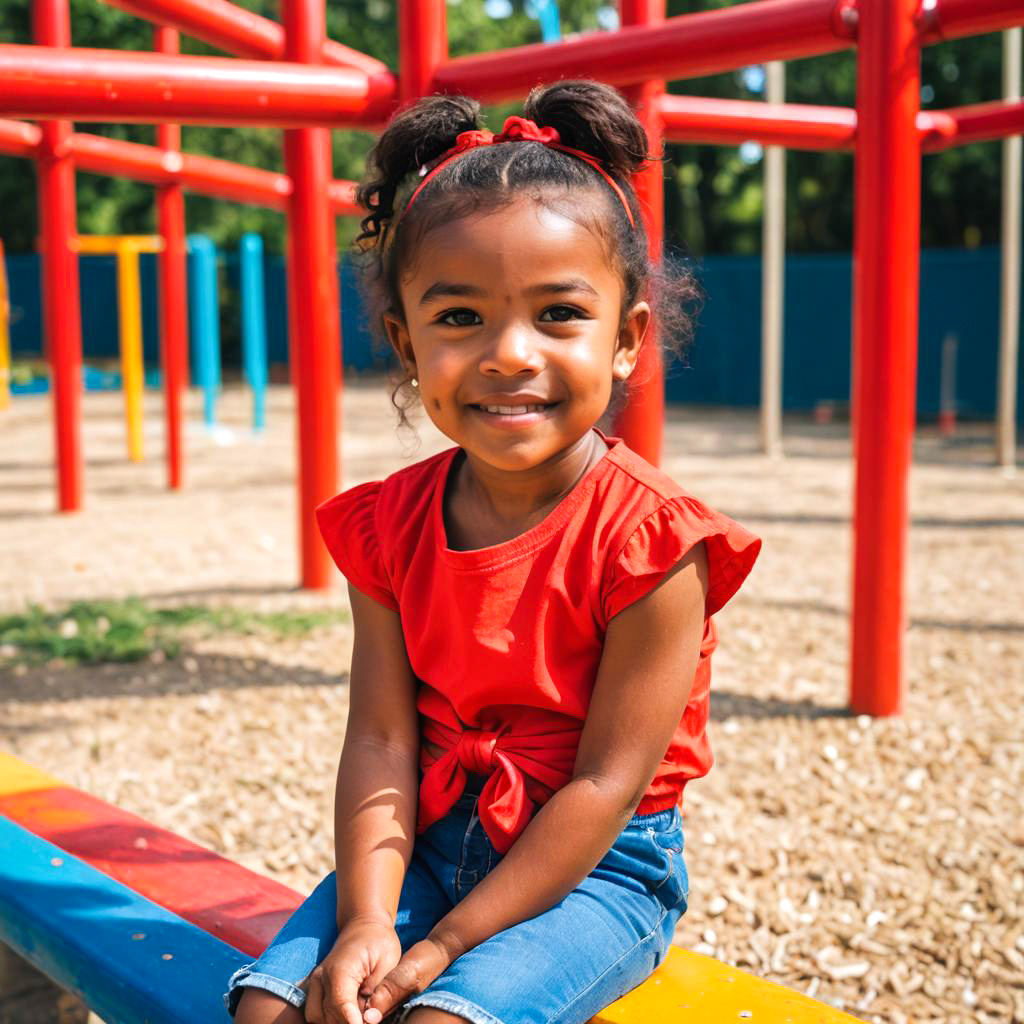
[[959, 294]]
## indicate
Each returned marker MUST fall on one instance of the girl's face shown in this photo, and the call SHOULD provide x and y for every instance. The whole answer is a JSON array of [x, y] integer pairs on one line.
[[515, 330]]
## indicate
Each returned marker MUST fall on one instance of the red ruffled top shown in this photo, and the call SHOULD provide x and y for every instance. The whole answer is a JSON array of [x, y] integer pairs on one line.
[[506, 640]]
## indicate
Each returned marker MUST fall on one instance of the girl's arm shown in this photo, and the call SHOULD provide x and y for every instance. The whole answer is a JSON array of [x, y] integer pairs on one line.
[[377, 789], [642, 687], [374, 815]]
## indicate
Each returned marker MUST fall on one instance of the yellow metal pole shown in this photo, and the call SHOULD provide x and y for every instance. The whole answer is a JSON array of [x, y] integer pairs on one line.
[[5, 336], [130, 324], [129, 318]]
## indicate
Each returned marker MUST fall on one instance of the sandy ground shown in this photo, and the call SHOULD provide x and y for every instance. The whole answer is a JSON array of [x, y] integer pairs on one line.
[[877, 864]]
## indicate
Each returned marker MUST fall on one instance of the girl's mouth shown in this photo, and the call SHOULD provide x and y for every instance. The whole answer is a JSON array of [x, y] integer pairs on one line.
[[512, 410], [514, 415]]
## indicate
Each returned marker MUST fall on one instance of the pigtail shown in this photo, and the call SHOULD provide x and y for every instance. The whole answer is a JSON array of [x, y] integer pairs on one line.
[[593, 118], [415, 137]]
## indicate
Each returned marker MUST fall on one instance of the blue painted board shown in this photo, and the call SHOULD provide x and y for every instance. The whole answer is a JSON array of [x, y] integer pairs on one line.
[[77, 926]]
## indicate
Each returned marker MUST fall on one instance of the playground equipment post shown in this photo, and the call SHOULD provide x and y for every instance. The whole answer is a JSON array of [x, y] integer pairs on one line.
[[170, 204], [57, 217], [313, 301]]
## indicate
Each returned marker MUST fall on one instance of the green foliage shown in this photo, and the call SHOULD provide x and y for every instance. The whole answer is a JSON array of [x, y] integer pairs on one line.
[[88, 632], [713, 195]]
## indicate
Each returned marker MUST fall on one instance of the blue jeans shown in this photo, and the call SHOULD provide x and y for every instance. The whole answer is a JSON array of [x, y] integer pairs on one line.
[[561, 967]]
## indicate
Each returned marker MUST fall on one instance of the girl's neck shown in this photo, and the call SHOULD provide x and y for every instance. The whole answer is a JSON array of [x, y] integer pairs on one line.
[[502, 504]]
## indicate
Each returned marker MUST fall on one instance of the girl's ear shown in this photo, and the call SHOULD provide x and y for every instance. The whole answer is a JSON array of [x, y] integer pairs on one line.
[[398, 335], [631, 337]]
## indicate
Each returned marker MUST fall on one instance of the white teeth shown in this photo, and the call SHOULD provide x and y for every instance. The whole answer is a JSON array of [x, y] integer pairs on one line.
[[513, 410]]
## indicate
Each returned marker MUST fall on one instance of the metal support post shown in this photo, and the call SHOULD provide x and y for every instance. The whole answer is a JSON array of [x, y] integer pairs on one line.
[[641, 422], [61, 310], [5, 336], [129, 320], [886, 234], [422, 46], [313, 302], [1009, 306], [204, 322], [170, 205], [773, 269], [254, 323]]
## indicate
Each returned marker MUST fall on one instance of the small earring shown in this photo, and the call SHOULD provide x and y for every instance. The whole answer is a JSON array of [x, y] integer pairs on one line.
[[414, 382]]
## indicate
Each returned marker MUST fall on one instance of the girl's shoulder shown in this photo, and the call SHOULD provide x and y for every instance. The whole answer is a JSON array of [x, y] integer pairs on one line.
[[635, 489], [362, 523], [657, 521], [393, 496]]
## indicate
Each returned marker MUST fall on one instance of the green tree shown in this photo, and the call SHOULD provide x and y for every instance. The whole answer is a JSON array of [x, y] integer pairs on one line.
[[713, 193]]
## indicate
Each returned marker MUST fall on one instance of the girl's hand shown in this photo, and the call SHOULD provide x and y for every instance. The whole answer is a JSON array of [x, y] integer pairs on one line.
[[420, 965], [338, 989]]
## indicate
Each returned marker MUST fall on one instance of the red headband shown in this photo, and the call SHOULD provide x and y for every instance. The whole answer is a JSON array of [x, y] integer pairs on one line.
[[516, 129]]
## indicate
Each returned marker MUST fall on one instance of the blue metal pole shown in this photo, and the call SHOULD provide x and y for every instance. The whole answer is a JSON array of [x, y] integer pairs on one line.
[[204, 326], [254, 323], [550, 23]]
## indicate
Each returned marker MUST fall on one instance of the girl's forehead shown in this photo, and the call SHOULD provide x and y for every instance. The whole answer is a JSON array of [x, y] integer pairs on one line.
[[525, 237]]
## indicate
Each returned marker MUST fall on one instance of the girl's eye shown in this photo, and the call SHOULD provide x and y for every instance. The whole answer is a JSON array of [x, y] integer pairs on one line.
[[459, 318], [560, 314]]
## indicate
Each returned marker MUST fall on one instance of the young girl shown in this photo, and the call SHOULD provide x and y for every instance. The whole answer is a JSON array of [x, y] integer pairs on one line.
[[530, 676]]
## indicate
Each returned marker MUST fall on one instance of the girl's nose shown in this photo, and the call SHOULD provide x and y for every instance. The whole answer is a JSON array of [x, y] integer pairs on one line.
[[512, 350]]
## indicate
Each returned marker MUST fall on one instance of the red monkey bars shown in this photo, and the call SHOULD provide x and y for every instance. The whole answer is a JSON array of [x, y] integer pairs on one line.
[[294, 77]]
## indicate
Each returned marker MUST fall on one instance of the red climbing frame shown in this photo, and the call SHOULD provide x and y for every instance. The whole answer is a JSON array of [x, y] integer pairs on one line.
[[292, 76]]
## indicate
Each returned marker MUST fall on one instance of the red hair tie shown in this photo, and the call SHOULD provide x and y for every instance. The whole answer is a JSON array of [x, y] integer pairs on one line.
[[515, 129]]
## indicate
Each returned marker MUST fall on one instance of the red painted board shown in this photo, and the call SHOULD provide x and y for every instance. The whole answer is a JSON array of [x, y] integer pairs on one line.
[[223, 898]]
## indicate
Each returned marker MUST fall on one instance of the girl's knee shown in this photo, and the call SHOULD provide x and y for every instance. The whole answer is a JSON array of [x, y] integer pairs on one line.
[[257, 1006], [430, 1015]]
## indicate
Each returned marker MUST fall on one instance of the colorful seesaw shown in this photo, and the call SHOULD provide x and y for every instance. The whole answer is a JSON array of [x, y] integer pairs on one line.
[[142, 924]]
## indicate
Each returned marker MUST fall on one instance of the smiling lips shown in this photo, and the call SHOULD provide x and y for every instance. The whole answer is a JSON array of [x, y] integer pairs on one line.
[[512, 410]]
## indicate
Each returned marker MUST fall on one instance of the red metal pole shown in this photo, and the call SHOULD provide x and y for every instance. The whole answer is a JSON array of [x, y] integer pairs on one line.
[[314, 313], [121, 85], [951, 19], [422, 46], [202, 174], [61, 311], [170, 201], [19, 138], [241, 32], [205, 175], [684, 46], [885, 284], [730, 122], [979, 122], [640, 423]]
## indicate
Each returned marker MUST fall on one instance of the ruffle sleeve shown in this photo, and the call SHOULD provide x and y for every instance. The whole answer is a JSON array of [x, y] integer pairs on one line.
[[663, 539], [348, 526]]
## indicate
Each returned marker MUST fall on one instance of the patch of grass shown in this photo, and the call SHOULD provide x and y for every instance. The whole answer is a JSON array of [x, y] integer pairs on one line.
[[88, 632]]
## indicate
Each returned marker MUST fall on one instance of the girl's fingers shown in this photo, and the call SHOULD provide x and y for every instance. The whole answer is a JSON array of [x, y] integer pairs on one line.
[[314, 1009], [350, 1014], [343, 1002], [410, 976]]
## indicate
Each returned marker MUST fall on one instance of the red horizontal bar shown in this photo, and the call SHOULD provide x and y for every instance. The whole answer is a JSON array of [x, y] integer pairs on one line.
[[979, 122], [19, 138], [238, 31], [730, 122], [112, 85], [342, 197], [802, 126], [681, 47], [204, 175], [223, 898], [952, 19]]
